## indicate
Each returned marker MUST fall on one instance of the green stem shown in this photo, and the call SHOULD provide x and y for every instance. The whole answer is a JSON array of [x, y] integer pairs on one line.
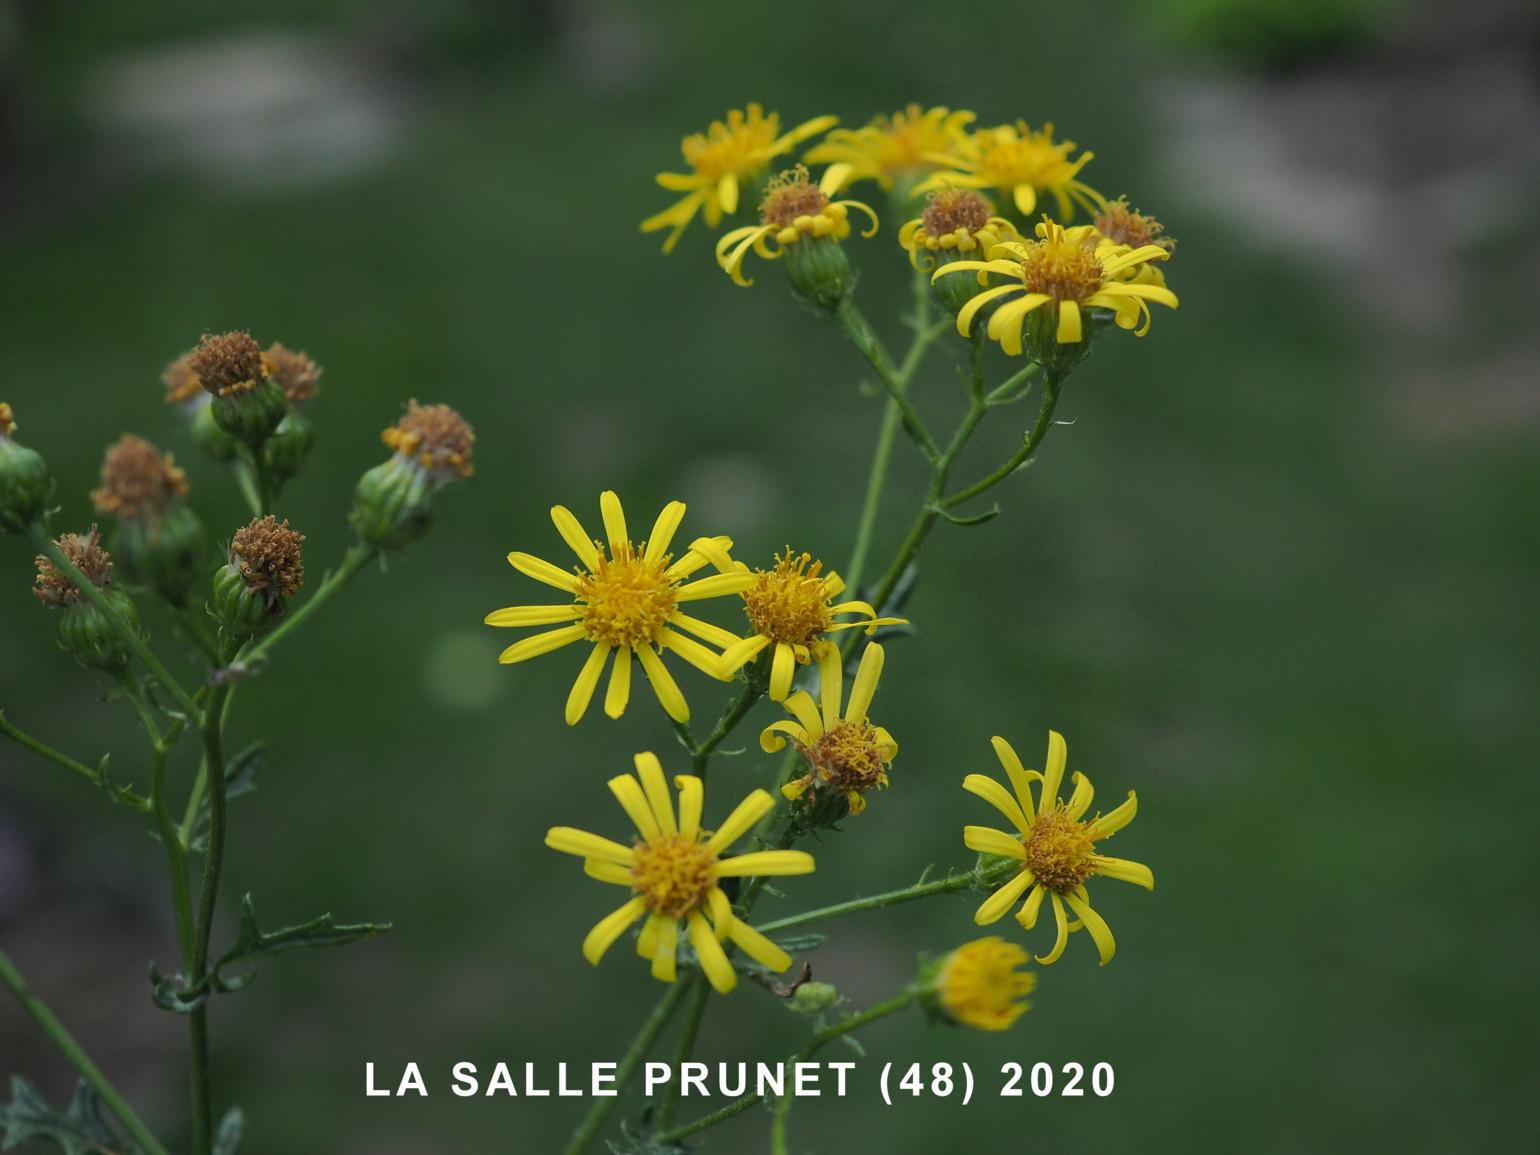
[[131, 637], [245, 481], [821, 1039], [208, 898], [593, 1122], [28, 742], [944, 885], [865, 339], [1018, 459], [72, 1050], [695, 1011]]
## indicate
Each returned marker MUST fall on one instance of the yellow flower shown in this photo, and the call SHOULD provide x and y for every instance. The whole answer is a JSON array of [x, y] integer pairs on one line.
[[793, 208], [979, 984], [674, 870], [955, 221], [1055, 845], [722, 159], [626, 600], [1067, 270], [1017, 162], [845, 755], [890, 148], [792, 607]]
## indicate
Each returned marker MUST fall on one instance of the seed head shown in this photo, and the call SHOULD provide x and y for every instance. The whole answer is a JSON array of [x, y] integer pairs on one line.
[[137, 482], [269, 557], [85, 550], [295, 372]]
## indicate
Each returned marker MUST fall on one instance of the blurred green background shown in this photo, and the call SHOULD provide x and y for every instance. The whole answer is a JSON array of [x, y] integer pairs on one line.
[[1277, 572]]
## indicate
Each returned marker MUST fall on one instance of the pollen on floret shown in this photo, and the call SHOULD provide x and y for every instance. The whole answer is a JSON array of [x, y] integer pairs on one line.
[[849, 759], [673, 874], [7, 420], [269, 557], [227, 363], [1117, 222], [1059, 851], [296, 374], [789, 603], [436, 438], [626, 599], [137, 481], [85, 550], [1060, 268], [950, 209], [181, 382], [791, 195]]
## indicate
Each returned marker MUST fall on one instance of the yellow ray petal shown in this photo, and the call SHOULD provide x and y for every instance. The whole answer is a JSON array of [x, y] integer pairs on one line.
[[588, 677], [746, 814], [570, 840], [713, 960], [998, 797], [1021, 779], [770, 740], [1062, 940], [619, 691], [1106, 825], [607, 872], [609, 928], [578, 539], [831, 683], [988, 840], [1027, 915], [758, 947], [543, 571], [663, 531], [628, 792], [527, 648], [691, 797], [1069, 331], [867, 675], [1101, 933], [800, 706], [966, 314], [715, 586], [663, 685], [665, 950], [783, 666], [614, 520], [693, 652], [716, 635], [655, 786], [993, 908], [1026, 199], [532, 615], [1080, 799], [741, 652], [1053, 770], [721, 910], [647, 941], [766, 862], [1124, 870]]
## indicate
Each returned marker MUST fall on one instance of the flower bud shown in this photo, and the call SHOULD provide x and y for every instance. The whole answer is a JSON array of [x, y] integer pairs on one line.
[[246, 403], [393, 502], [24, 481], [84, 631], [980, 984], [819, 272], [159, 540], [265, 567], [298, 376], [812, 998]]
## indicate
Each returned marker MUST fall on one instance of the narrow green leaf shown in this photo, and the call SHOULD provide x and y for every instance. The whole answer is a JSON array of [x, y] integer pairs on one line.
[[252, 942]]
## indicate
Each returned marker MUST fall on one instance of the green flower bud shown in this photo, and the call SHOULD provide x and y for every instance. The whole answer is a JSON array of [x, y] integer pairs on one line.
[[814, 998], [1040, 340], [84, 631], [247, 404], [285, 451], [24, 480], [206, 433], [264, 569], [393, 502], [819, 271], [251, 415]]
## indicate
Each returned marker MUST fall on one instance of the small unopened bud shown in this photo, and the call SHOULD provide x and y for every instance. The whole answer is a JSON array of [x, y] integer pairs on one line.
[[393, 502], [24, 481], [265, 567], [159, 540], [298, 376], [819, 272], [812, 998], [247, 404], [84, 631]]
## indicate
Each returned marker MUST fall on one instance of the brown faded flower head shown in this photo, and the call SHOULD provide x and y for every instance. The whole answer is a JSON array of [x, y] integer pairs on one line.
[[85, 550], [227, 363], [268, 556], [181, 382], [1117, 222], [137, 482], [297, 375], [436, 438]]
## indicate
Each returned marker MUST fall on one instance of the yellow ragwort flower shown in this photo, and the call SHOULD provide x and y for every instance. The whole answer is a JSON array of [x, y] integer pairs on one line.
[[626, 599], [844, 755], [793, 208], [1068, 270], [956, 221], [674, 869], [908, 143], [1055, 845], [1020, 163], [722, 159], [792, 607], [980, 984]]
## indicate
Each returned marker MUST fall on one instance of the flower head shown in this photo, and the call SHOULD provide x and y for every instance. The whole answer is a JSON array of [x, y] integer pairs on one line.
[[729, 154], [435, 438], [956, 221], [674, 870], [267, 553], [981, 984], [627, 599], [1117, 223], [227, 363], [7, 420], [1054, 844], [792, 608], [845, 756], [182, 384], [793, 209], [85, 550], [137, 482], [296, 374], [1021, 163], [1066, 270], [891, 149]]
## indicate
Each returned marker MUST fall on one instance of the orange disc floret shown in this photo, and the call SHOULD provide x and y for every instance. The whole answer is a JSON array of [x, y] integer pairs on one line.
[[268, 555], [228, 363]]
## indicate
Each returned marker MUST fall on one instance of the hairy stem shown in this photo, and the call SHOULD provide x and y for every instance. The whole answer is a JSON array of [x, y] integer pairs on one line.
[[61, 1038], [598, 1114]]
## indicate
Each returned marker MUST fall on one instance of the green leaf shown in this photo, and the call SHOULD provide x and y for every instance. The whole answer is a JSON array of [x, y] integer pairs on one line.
[[240, 780], [80, 1130], [253, 942], [227, 1140]]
